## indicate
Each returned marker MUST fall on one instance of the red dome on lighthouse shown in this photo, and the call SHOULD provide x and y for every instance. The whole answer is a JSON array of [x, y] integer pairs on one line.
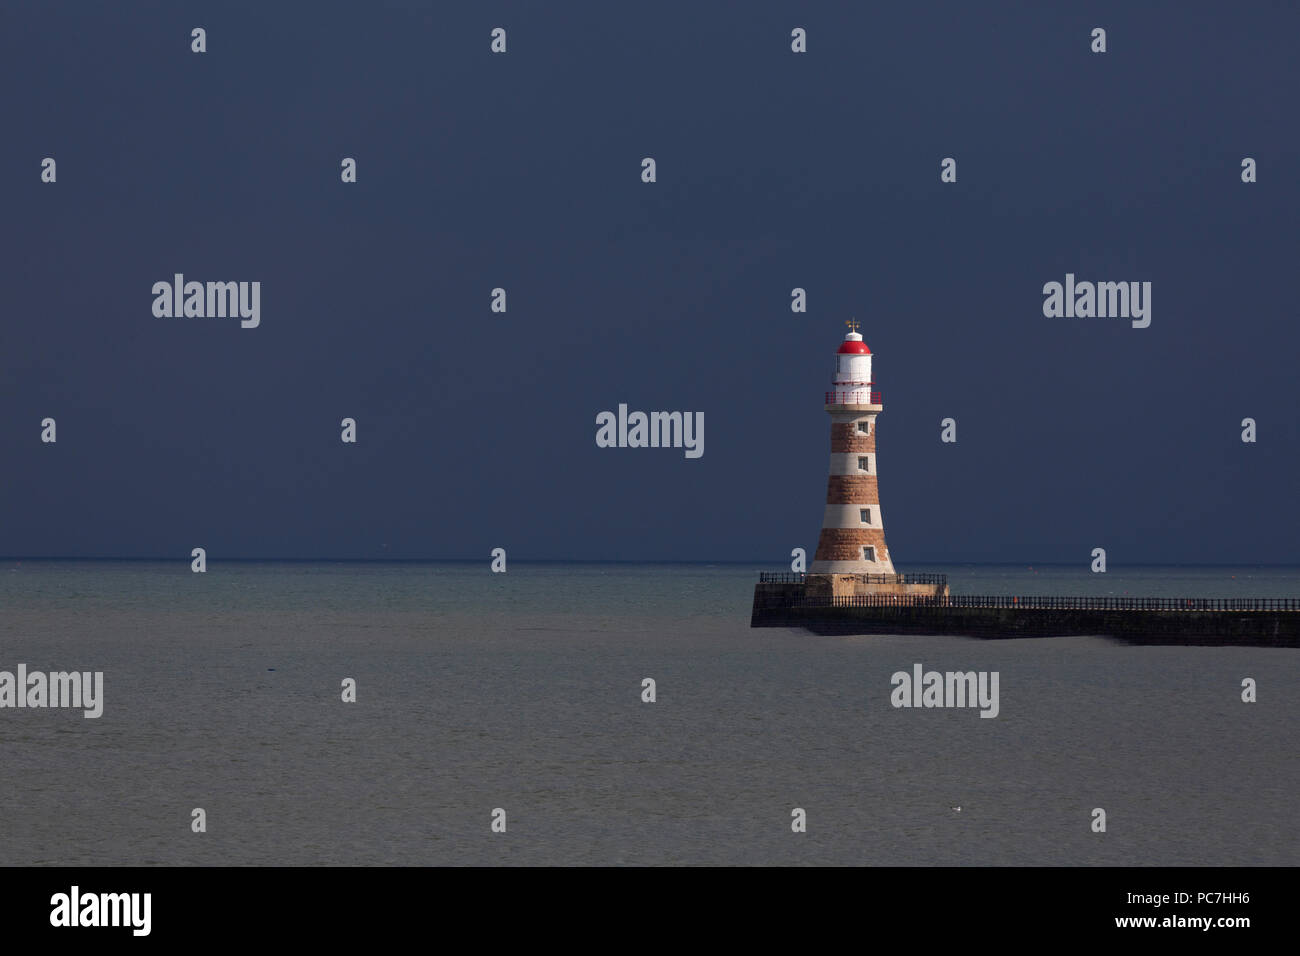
[[848, 347]]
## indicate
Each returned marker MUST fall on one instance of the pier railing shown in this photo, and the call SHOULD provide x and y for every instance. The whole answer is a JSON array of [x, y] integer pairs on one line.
[[1038, 602], [796, 577]]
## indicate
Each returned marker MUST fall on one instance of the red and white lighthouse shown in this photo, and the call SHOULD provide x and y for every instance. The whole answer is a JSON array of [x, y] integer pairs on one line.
[[853, 531]]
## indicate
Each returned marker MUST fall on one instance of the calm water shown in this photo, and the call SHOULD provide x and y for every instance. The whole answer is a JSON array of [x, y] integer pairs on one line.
[[523, 691]]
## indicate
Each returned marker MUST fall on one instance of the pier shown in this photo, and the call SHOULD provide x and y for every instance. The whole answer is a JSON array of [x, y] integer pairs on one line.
[[783, 600]]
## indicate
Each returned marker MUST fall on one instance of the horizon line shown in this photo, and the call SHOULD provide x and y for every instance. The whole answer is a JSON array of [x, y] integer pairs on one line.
[[678, 561]]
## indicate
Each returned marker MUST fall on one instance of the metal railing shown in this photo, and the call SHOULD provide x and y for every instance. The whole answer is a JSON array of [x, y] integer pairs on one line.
[[1049, 603], [795, 577], [853, 396], [917, 577], [780, 577]]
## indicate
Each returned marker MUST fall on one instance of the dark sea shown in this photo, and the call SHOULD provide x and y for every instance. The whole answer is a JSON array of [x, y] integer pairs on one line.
[[523, 691]]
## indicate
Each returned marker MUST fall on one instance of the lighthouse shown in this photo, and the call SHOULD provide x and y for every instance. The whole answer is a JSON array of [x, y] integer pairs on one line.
[[852, 539]]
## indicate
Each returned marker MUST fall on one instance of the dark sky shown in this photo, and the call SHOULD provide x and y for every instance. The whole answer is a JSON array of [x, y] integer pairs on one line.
[[775, 170]]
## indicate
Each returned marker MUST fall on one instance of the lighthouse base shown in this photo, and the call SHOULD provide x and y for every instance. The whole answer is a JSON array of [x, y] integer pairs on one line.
[[835, 585], [875, 568]]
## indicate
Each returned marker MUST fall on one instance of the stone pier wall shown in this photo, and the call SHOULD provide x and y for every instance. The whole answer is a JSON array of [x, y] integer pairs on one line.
[[1210, 628], [846, 585]]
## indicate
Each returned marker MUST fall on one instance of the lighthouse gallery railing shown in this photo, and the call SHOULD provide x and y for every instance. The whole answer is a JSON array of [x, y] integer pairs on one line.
[[852, 396]]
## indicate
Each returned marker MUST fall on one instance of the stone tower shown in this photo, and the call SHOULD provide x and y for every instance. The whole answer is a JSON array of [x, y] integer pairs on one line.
[[853, 532]]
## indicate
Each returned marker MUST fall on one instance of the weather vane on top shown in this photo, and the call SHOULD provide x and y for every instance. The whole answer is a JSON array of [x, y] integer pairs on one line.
[[852, 324]]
